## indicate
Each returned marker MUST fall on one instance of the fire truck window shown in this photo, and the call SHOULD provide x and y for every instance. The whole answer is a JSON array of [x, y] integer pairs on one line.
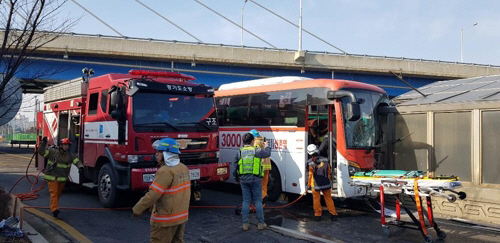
[[104, 100], [93, 103]]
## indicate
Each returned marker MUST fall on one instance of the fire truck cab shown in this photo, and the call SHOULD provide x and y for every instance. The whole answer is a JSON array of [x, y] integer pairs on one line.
[[112, 121]]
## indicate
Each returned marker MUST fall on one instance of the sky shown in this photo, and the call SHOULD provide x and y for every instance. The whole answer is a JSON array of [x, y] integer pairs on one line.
[[425, 29]]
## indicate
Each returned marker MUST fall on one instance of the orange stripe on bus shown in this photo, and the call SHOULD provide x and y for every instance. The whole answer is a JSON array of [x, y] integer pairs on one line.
[[333, 84], [263, 129]]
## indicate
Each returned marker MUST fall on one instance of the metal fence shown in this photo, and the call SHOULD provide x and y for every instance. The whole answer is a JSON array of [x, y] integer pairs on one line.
[[21, 136]]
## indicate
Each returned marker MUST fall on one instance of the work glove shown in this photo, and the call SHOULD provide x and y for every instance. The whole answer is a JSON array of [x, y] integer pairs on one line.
[[44, 139], [135, 216]]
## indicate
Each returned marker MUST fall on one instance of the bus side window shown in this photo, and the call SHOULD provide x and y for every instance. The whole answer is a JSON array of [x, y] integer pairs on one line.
[[234, 110]]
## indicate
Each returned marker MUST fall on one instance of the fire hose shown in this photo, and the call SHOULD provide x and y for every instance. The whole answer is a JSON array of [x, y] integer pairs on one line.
[[33, 195]]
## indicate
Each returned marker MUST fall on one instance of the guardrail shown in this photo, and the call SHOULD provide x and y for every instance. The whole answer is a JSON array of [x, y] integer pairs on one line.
[[20, 142]]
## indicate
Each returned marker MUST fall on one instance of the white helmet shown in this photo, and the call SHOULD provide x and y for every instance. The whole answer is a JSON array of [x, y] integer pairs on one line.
[[312, 149]]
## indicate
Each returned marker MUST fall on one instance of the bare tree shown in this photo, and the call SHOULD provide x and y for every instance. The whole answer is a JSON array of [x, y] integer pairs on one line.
[[26, 26]]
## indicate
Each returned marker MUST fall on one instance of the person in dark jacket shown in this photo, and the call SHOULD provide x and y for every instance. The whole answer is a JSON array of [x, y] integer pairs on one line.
[[249, 173], [58, 168], [320, 177]]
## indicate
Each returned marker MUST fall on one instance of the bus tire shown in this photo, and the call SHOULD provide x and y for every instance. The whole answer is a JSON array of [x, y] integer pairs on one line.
[[106, 187], [274, 185]]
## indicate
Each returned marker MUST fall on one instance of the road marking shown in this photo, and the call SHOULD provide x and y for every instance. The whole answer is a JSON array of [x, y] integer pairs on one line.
[[299, 235], [16, 155], [72, 231]]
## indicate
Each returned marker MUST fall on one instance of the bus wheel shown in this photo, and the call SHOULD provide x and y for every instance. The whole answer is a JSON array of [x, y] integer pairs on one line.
[[274, 185], [106, 187]]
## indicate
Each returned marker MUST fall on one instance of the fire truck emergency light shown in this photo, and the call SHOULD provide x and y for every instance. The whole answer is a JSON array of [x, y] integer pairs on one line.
[[143, 73]]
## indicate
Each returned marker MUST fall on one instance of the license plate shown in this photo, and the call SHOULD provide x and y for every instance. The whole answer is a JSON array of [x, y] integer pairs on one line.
[[194, 174]]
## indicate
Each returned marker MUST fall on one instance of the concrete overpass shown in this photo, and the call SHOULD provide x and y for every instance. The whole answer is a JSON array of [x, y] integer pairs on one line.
[[217, 63]]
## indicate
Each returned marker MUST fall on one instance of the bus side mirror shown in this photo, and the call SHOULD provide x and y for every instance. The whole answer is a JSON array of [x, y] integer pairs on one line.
[[353, 111]]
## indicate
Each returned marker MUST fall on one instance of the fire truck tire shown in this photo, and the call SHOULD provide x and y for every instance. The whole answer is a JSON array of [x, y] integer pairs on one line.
[[274, 185], [106, 187]]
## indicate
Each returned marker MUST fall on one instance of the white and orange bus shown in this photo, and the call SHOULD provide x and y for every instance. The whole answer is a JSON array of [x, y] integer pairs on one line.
[[292, 112]]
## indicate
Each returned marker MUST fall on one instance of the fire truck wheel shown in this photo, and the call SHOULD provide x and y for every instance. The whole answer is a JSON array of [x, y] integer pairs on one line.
[[108, 194], [274, 185]]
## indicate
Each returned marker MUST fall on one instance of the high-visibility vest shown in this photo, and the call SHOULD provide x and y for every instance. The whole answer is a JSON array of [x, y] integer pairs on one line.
[[248, 163]]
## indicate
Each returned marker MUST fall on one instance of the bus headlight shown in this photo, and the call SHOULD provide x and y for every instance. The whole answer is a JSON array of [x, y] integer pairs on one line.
[[353, 168]]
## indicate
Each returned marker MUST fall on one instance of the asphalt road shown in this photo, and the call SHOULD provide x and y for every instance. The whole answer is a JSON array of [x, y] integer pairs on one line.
[[356, 223]]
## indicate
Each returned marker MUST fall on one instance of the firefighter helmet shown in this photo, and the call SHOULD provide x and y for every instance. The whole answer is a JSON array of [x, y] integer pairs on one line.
[[167, 144], [312, 149], [65, 141], [254, 133]]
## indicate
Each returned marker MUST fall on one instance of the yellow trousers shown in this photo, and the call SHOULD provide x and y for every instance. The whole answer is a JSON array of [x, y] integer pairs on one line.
[[265, 180], [327, 195], [55, 190], [174, 234]]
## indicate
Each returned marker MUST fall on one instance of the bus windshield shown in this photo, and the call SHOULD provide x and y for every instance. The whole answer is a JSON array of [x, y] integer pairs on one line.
[[160, 112], [362, 133]]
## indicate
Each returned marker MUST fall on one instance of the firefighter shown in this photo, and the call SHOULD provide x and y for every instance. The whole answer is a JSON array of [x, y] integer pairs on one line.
[[266, 164], [320, 177], [249, 173], [58, 168], [169, 194]]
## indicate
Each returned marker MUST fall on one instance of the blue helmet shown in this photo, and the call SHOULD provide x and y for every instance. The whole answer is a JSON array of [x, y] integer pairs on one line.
[[167, 145], [254, 133]]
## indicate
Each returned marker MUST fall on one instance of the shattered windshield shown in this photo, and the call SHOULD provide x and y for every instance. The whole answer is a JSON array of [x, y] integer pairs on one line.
[[362, 133]]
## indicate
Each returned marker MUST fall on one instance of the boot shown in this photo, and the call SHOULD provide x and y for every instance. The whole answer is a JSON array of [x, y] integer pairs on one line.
[[245, 226], [262, 226], [317, 218], [56, 213], [333, 217]]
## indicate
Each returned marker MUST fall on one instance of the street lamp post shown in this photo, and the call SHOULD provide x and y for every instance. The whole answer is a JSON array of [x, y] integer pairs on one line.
[[300, 27], [242, 12], [462, 43]]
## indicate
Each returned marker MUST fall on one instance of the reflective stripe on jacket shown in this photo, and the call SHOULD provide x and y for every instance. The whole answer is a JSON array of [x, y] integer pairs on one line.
[[248, 163], [266, 162], [169, 194], [320, 174], [62, 160]]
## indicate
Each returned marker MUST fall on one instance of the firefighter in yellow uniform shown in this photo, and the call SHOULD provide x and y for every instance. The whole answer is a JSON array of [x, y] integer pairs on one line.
[[169, 194], [320, 177], [266, 164], [57, 171]]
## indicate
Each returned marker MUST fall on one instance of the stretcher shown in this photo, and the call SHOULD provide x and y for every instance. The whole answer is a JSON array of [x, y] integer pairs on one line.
[[414, 184]]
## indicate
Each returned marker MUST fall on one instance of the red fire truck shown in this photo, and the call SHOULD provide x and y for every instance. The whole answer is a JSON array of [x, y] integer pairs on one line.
[[112, 121]]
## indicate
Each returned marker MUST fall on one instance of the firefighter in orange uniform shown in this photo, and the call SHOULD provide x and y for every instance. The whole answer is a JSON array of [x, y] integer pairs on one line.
[[169, 194], [320, 177], [57, 171], [266, 164]]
